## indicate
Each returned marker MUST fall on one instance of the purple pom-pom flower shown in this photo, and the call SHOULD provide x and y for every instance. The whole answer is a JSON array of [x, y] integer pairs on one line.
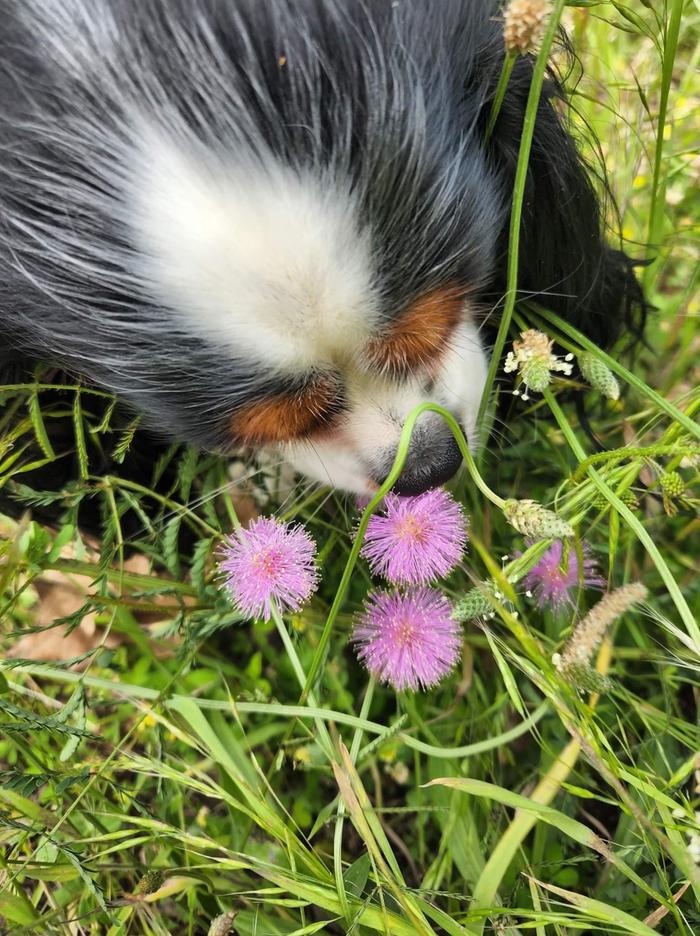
[[408, 639], [553, 579], [416, 539], [269, 561]]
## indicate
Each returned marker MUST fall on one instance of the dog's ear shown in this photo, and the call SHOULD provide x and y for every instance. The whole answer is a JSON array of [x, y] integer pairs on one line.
[[564, 259]]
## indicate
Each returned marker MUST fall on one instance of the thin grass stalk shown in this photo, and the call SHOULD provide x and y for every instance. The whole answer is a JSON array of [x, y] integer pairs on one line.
[[501, 88], [658, 190], [339, 822], [526, 137], [324, 739], [486, 890]]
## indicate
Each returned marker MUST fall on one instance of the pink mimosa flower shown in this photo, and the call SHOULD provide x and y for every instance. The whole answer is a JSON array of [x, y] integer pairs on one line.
[[555, 578], [416, 539], [269, 561], [408, 639]]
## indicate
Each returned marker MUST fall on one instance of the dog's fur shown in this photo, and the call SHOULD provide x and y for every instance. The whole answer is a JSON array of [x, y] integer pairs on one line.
[[278, 221]]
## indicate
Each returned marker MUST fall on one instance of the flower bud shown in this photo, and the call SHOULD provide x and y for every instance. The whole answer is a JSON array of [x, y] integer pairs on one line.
[[150, 883], [535, 521], [223, 924], [474, 604], [599, 375]]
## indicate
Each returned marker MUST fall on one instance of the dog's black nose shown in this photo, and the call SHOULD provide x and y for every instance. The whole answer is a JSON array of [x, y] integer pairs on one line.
[[429, 469]]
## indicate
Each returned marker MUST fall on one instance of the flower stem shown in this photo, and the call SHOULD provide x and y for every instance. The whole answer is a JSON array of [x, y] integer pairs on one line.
[[501, 88], [324, 739], [399, 461], [526, 137]]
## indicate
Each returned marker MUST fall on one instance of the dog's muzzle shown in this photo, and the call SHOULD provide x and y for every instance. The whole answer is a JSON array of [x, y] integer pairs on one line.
[[433, 458]]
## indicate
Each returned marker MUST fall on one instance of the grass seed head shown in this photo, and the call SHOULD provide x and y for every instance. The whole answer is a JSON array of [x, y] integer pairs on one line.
[[524, 24], [223, 924], [590, 631], [535, 521], [599, 375], [475, 604], [586, 679], [672, 484]]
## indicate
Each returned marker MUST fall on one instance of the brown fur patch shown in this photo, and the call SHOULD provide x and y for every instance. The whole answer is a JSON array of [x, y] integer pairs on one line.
[[418, 338], [289, 416]]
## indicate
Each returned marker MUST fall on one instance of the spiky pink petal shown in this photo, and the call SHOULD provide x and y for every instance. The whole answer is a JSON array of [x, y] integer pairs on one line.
[[269, 561], [408, 639], [416, 539], [555, 577]]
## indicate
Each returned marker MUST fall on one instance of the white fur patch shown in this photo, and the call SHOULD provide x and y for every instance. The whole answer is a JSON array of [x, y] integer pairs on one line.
[[264, 261], [462, 378], [272, 265]]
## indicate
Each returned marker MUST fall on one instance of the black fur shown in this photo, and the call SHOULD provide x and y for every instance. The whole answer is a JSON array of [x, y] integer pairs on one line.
[[393, 97]]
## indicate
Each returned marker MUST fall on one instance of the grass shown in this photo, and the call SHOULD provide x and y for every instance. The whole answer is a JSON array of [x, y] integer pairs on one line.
[[196, 763]]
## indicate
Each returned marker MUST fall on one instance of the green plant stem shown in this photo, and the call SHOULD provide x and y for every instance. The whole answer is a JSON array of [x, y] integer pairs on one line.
[[399, 460], [339, 822], [646, 451], [658, 191], [324, 739], [526, 137], [130, 692], [632, 521], [501, 88]]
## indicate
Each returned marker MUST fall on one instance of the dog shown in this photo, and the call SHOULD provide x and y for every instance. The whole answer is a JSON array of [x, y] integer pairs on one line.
[[281, 223]]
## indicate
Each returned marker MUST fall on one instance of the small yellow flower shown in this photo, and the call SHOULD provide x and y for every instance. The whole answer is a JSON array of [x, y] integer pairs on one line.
[[302, 756], [147, 722]]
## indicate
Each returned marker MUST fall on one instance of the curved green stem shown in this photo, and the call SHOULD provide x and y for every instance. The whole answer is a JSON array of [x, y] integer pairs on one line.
[[399, 461]]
